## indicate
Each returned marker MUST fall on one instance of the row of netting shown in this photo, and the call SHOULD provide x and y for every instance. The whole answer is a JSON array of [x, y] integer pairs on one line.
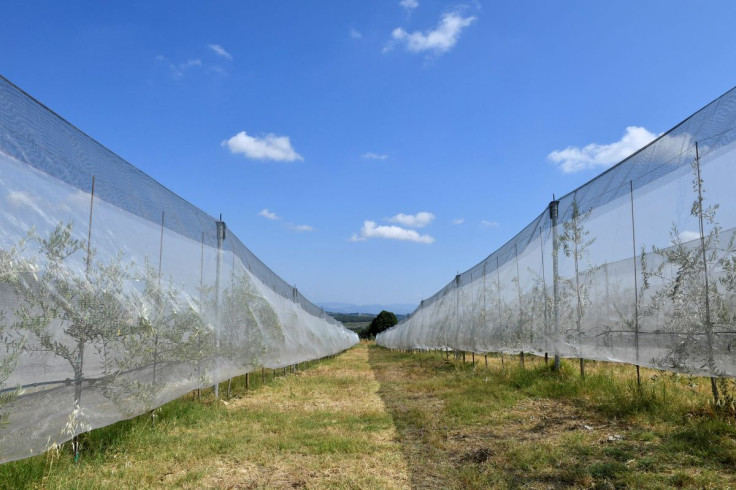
[[637, 266], [118, 296]]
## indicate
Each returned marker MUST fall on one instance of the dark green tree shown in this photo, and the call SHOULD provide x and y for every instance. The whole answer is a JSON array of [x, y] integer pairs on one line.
[[383, 321]]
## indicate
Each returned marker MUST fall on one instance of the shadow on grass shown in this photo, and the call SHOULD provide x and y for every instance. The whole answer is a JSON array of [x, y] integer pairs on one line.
[[419, 436]]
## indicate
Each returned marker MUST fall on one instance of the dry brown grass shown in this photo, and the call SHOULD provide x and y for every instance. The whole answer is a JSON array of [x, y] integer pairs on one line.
[[373, 418], [337, 396], [323, 427]]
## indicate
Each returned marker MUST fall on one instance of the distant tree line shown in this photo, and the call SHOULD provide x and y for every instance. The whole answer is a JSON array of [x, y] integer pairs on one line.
[[352, 317]]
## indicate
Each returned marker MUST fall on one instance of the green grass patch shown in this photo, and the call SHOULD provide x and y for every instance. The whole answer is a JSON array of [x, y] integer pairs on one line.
[[536, 427]]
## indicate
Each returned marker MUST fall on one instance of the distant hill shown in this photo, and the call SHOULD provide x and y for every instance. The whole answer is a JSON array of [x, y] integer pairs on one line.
[[399, 309]]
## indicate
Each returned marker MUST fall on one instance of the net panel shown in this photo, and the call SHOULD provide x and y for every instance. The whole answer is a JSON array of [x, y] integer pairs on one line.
[[635, 266], [116, 294]]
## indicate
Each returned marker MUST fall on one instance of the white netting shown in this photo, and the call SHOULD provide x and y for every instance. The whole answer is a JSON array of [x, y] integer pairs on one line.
[[109, 317], [615, 270]]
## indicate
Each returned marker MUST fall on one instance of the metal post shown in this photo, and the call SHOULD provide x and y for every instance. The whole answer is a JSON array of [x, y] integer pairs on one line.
[[544, 298], [201, 307], [230, 327], [160, 266], [579, 306], [521, 312], [80, 345], [221, 231], [498, 293], [161, 247], [554, 207], [708, 323], [485, 293], [89, 229], [457, 308], [636, 286]]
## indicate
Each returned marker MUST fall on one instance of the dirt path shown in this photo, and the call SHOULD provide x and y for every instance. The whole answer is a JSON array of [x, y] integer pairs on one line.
[[325, 427]]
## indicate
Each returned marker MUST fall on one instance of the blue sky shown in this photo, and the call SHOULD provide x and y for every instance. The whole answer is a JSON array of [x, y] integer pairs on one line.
[[369, 150]]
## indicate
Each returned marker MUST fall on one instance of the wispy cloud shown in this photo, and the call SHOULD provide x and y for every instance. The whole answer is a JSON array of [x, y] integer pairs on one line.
[[409, 4], [268, 147], [268, 214], [178, 69], [300, 228], [458, 221], [288, 225], [372, 230], [355, 34], [220, 51], [490, 224], [374, 156], [419, 220], [437, 41], [574, 159]]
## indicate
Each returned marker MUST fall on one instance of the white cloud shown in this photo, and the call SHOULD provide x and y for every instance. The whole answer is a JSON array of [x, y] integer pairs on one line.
[[490, 224], [458, 221], [220, 51], [269, 147], [291, 226], [439, 40], [574, 159], [409, 4], [372, 230], [268, 214], [419, 220], [355, 34], [374, 156], [300, 227]]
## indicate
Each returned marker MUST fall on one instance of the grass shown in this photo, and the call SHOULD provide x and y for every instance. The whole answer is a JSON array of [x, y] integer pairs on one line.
[[507, 426], [322, 426], [374, 418]]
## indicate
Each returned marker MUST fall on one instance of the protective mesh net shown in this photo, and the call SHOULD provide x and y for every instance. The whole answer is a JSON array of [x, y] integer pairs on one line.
[[631, 267], [118, 296]]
